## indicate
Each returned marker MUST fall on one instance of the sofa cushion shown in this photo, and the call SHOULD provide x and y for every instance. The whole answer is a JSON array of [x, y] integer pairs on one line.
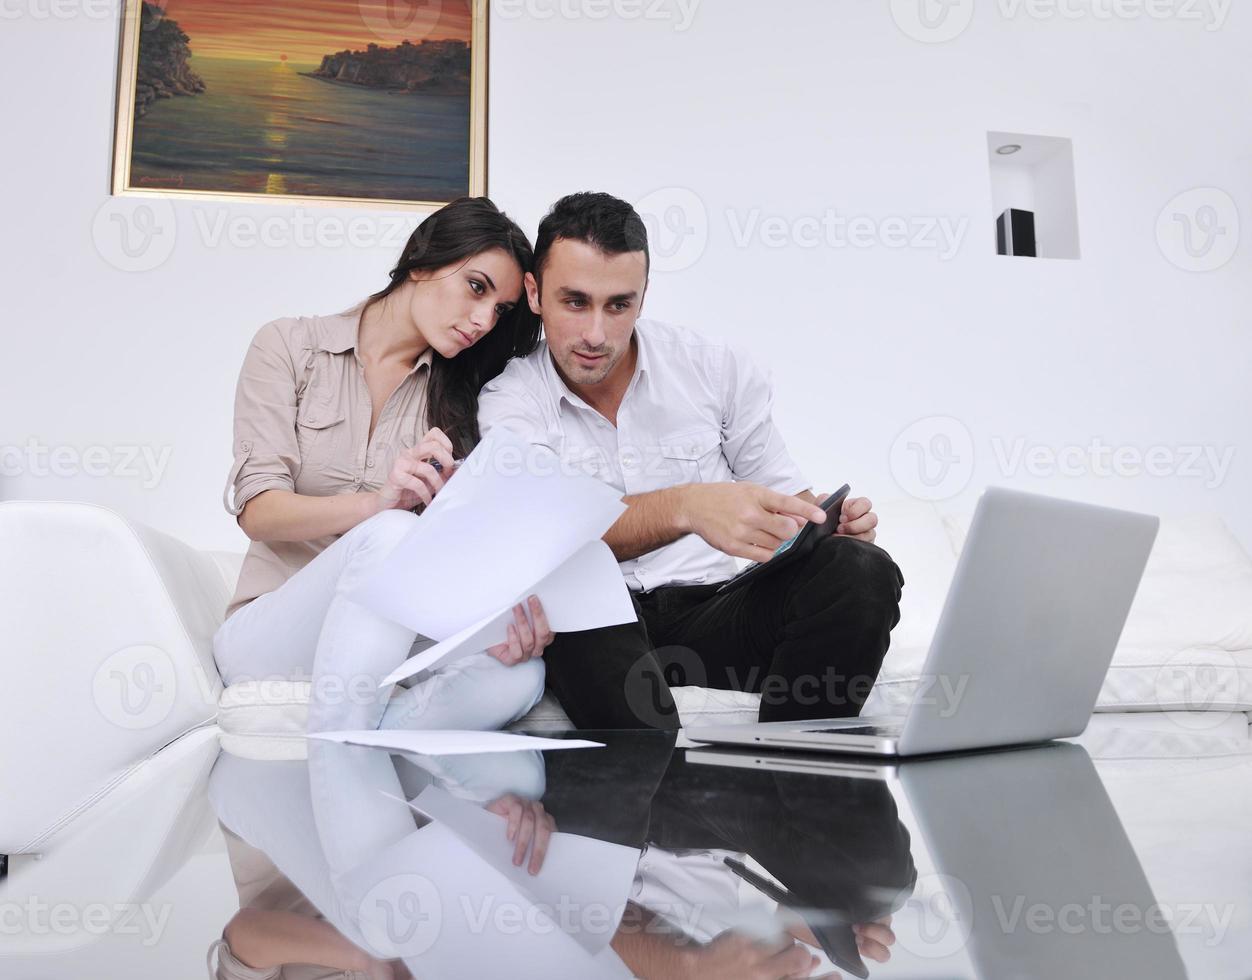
[[108, 633], [267, 719], [1187, 643]]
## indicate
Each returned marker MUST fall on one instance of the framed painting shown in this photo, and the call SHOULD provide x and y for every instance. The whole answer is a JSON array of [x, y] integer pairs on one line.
[[380, 102]]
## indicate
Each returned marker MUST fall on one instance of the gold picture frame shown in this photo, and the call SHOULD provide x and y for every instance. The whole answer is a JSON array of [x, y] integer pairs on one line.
[[130, 180]]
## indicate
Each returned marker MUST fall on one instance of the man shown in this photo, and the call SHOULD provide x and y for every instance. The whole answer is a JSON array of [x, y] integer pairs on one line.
[[680, 424]]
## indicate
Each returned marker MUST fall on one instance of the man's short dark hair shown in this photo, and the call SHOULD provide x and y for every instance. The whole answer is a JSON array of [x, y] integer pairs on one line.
[[601, 220]]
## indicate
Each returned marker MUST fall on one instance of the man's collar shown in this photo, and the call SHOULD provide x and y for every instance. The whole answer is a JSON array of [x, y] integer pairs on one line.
[[563, 391]]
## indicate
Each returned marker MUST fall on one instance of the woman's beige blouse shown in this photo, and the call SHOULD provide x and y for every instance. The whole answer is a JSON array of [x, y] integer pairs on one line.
[[302, 417]]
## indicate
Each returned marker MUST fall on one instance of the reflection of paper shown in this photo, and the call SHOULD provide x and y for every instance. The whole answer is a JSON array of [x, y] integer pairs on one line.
[[507, 519], [430, 899], [578, 873], [452, 742], [583, 593]]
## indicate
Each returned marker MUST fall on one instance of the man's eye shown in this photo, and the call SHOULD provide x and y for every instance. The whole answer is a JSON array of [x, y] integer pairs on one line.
[[576, 304], [621, 307], [477, 286]]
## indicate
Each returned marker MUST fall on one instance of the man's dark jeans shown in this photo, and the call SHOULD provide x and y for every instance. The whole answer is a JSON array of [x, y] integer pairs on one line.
[[809, 638]]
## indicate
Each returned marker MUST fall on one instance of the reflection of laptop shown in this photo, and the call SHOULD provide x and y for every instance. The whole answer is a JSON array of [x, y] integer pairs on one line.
[[1031, 862], [1037, 603]]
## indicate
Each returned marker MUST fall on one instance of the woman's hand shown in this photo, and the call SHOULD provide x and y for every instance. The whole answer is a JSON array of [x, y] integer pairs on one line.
[[529, 823], [413, 479], [528, 638]]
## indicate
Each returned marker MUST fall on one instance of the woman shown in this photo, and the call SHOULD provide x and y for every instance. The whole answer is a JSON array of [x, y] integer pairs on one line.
[[344, 426]]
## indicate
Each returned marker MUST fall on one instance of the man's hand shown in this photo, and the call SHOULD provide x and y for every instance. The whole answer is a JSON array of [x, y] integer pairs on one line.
[[873, 939], [743, 519], [856, 518], [527, 637], [529, 823]]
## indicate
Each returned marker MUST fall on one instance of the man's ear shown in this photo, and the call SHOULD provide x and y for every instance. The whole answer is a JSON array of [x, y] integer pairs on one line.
[[532, 293]]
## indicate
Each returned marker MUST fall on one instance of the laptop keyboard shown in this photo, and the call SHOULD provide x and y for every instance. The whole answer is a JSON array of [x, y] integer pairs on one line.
[[876, 731]]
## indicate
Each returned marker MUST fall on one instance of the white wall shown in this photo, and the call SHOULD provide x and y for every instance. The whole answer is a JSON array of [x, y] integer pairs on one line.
[[756, 111]]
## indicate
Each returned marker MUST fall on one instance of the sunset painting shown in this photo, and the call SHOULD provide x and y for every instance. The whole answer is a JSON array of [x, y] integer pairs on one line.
[[358, 100]]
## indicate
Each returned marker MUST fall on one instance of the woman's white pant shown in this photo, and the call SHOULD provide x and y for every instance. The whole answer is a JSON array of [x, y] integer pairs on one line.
[[309, 630]]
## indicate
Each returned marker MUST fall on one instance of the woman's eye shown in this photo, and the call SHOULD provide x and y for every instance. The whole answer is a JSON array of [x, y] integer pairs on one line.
[[477, 286], [502, 310]]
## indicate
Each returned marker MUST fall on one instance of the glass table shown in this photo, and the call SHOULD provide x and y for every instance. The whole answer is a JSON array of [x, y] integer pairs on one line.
[[1122, 853]]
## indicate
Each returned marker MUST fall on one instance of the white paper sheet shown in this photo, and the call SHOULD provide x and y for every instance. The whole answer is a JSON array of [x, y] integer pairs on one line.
[[507, 519], [579, 873], [584, 592], [452, 742]]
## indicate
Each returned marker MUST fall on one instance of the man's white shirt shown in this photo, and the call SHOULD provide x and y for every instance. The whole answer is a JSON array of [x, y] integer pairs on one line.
[[696, 411]]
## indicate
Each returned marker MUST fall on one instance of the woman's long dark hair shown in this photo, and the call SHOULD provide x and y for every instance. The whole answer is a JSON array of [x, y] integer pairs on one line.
[[456, 233]]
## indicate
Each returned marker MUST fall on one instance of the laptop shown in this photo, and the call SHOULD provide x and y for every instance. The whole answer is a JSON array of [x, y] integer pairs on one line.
[[1036, 606], [1029, 863]]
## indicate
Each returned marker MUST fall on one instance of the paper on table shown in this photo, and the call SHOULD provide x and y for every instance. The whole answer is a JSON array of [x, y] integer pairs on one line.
[[578, 872], [447, 742], [506, 519], [585, 592]]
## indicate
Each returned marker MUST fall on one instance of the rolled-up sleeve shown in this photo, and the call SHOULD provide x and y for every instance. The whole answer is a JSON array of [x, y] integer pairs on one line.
[[751, 442], [266, 451]]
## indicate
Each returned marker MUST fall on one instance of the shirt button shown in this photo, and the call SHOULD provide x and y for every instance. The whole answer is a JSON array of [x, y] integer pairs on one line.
[[369, 463], [312, 418]]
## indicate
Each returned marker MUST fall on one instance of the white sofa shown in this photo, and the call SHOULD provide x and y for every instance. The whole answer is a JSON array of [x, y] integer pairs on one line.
[[109, 656]]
